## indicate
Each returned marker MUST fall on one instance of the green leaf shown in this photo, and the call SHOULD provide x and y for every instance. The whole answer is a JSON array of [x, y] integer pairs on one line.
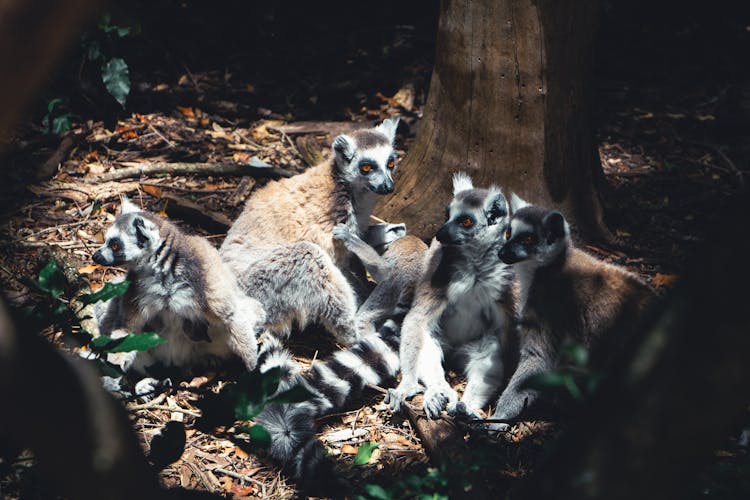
[[259, 436], [572, 387], [128, 343], [247, 408], [107, 292], [545, 381], [296, 394], [365, 452], [377, 491], [116, 77], [122, 31], [52, 280], [54, 102], [577, 354], [61, 124], [93, 51]]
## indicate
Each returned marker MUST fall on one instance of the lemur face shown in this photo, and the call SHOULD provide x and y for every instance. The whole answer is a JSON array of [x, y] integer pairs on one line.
[[129, 239], [367, 158], [470, 211], [535, 235]]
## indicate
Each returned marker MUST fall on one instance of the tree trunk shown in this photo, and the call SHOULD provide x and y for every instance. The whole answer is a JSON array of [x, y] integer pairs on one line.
[[508, 105]]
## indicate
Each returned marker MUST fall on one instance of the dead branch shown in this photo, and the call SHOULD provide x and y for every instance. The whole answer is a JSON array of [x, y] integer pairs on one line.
[[134, 169], [49, 167], [442, 440], [331, 128], [189, 211]]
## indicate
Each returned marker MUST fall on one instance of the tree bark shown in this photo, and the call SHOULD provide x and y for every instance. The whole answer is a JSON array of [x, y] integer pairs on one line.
[[508, 105], [681, 391]]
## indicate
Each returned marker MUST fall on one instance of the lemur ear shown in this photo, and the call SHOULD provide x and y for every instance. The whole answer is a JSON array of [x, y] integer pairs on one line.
[[497, 208], [128, 206], [344, 147], [555, 226], [461, 182], [517, 203], [142, 229], [396, 231], [388, 128]]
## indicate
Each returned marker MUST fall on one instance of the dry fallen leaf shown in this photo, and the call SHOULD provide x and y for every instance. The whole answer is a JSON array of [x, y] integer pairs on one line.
[[154, 191], [88, 269], [240, 453], [186, 111], [660, 279], [349, 449]]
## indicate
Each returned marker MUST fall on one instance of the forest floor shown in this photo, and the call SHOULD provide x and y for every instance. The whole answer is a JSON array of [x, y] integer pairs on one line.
[[665, 181]]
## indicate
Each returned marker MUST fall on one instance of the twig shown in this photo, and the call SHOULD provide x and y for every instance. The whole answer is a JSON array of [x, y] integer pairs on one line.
[[163, 138], [176, 409], [237, 475], [377, 219], [149, 404], [55, 228], [144, 169]]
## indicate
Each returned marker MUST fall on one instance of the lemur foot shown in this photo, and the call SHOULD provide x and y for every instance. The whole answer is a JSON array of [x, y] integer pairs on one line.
[[435, 400], [395, 398], [461, 410], [147, 386]]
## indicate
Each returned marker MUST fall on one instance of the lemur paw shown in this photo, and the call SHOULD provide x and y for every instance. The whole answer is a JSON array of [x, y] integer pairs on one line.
[[461, 410], [395, 398], [147, 386], [435, 400], [341, 232]]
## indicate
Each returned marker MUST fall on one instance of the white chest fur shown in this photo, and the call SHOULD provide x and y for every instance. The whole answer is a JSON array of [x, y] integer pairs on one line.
[[473, 303]]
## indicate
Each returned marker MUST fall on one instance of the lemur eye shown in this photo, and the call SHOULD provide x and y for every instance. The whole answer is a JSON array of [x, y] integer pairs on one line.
[[391, 163], [365, 168], [528, 240], [467, 222], [114, 246], [507, 234]]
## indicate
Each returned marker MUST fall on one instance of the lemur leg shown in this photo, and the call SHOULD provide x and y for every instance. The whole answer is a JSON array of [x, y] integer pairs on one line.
[[244, 325], [300, 282], [538, 355], [483, 368], [422, 358]]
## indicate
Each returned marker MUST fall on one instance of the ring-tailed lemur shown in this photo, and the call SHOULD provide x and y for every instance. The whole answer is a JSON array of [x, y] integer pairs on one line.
[[288, 225], [396, 272], [460, 309], [334, 383], [179, 288], [564, 294]]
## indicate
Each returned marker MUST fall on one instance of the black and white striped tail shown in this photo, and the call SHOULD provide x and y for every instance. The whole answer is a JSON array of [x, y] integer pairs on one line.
[[371, 360]]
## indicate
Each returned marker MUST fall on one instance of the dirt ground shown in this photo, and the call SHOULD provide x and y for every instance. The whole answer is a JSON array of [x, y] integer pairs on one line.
[[669, 151]]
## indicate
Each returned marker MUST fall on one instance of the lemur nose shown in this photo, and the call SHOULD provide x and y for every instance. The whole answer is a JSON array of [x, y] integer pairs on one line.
[[99, 258]]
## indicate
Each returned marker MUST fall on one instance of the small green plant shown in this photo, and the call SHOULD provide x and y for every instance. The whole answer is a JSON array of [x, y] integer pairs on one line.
[[56, 121], [365, 452], [434, 484], [573, 377], [98, 46], [61, 305], [244, 400]]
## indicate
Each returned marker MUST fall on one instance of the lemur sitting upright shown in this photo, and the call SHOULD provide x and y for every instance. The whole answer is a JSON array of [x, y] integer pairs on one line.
[[396, 272], [565, 294], [286, 232], [460, 308], [179, 288]]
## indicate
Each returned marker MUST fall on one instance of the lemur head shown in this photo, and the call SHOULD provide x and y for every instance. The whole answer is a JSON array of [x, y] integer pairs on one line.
[[366, 158], [471, 210], [380, 236], [534, 235], [130, 238]]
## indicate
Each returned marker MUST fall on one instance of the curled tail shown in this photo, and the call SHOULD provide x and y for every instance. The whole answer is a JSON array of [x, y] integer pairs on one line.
[[333, 383]]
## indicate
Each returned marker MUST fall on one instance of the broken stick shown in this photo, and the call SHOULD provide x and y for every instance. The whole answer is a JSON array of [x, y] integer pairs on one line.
[[134, 169]]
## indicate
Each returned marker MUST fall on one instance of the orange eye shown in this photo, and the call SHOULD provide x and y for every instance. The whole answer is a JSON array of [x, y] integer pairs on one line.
[[391, 163], [365, 168], [507, 234], [528, 240], [114, 246], [467, 222]]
